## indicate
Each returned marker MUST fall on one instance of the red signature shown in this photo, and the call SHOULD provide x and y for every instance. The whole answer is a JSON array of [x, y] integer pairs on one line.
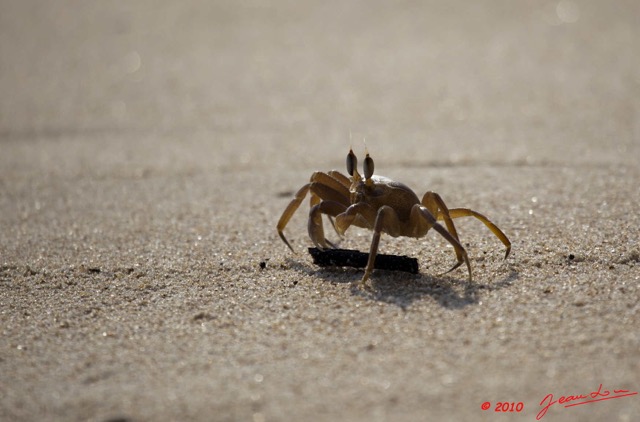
[[594, 396]]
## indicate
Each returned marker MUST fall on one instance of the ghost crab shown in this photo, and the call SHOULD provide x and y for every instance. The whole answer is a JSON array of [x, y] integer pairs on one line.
[[379, 204]]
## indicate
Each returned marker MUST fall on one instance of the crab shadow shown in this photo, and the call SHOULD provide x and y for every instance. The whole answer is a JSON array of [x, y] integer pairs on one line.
[[402, 289], [448, 291]]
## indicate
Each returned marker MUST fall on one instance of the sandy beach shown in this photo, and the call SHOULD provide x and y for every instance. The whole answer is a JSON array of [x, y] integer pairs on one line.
[[147, 150]]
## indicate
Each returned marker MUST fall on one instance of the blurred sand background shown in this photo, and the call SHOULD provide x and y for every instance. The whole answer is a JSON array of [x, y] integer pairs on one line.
[[147, 150]]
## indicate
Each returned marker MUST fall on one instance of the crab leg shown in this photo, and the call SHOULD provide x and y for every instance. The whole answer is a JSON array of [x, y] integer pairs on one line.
[[339, 183], [316, 231], [436, 206], [465, 212], [387, 220], [420, 215], [332, 182], [344, 180], [289, 211], [323, 187], [359, 214], [328, 193]]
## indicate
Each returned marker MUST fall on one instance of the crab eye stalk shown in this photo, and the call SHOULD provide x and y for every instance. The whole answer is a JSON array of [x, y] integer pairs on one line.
[[368, 167], [352, 162]]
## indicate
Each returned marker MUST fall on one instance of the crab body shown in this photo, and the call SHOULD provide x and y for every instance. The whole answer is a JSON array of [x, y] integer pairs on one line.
[[382, 205], [384, 191]]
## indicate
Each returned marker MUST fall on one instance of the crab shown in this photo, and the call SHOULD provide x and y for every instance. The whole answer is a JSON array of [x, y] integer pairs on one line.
[[382, 205]]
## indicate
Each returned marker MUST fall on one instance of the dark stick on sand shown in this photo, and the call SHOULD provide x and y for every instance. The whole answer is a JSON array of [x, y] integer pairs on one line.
[[356, 259]]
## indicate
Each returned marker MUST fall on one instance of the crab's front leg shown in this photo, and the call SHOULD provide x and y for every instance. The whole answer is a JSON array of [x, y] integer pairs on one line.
[[316, 230], [360, 214], [328, 196], [386, 220]]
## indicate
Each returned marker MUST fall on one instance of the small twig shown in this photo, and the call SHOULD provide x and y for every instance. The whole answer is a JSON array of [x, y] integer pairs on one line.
[[356, 259]]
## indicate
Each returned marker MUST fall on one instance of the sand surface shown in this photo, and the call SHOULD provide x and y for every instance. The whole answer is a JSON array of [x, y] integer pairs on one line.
[[148, 148]]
